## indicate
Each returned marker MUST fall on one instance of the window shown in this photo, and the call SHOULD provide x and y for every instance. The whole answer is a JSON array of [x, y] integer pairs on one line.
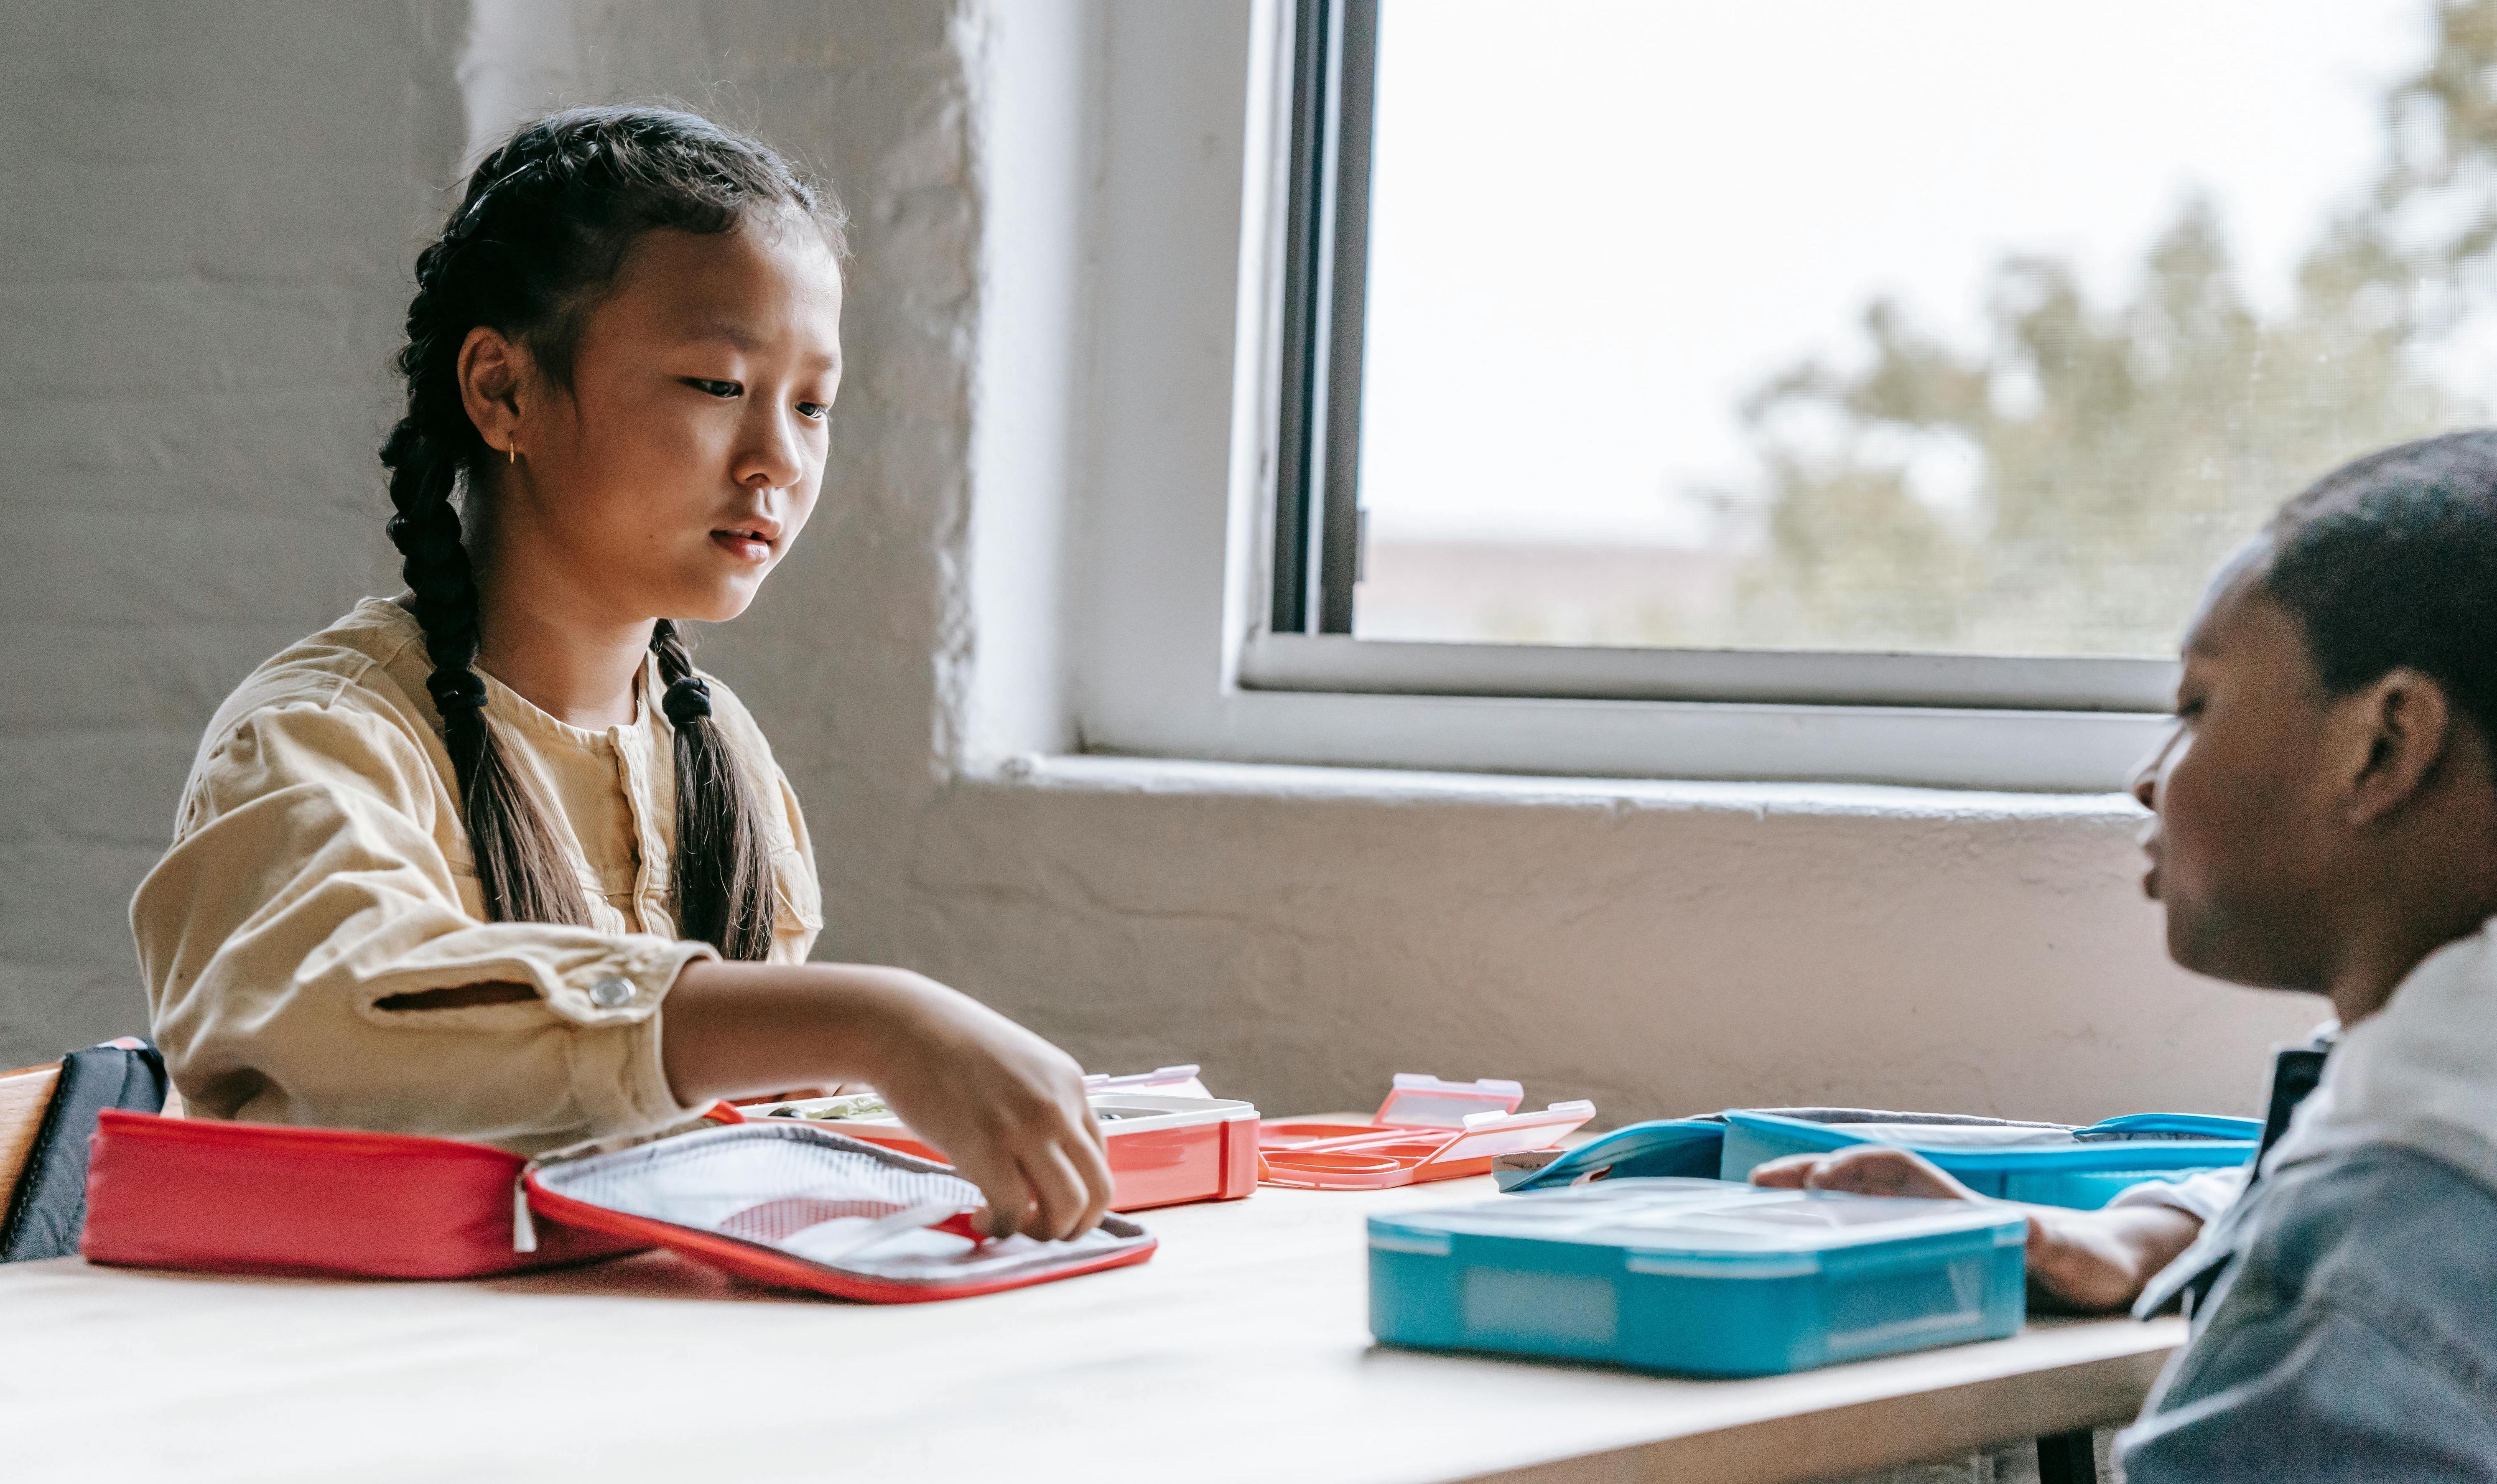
[[1921, 352]]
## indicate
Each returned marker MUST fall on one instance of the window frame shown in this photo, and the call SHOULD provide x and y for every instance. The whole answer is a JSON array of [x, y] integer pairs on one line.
[[1319, 530], [1170, 648]]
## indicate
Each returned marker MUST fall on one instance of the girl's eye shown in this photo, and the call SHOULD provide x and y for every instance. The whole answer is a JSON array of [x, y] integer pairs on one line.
[[818, 411], [722, 390]]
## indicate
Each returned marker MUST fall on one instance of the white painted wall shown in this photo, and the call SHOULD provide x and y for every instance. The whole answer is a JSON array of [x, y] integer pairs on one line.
[[206, 218], [208, 230]]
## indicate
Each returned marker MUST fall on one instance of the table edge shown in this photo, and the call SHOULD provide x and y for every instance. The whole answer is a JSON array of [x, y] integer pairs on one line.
[[1913, 1427]]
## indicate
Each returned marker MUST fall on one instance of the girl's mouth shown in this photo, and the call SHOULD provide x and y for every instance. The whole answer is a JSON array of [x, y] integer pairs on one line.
[[745, 543]]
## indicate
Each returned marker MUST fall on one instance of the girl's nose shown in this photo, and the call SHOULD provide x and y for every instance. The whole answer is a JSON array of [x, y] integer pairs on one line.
[[774, 458]]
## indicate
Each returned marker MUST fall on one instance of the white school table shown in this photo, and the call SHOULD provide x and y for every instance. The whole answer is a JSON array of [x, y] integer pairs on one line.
[[1239, 1353]]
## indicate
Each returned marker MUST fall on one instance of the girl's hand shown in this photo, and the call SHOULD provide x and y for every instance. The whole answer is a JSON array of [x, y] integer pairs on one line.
[[1863, 1169], [1006, 1106]]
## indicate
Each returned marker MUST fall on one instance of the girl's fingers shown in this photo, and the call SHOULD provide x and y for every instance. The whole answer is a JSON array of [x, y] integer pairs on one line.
[[1059, 1191], [1088, 1160], [1003, 1185], [1092, 1164]]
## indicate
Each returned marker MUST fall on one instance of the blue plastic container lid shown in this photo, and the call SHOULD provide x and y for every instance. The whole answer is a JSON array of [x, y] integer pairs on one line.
[[2138, 1127], [1972, 1148], [1704, 1227]]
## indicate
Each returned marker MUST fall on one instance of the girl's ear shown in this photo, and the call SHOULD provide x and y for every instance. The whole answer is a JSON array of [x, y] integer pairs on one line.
[[2405, 723], [495, 378]]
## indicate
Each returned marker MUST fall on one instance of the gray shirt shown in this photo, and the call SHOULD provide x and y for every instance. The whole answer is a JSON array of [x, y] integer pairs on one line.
[[2350, 1332], [2353, 1336]]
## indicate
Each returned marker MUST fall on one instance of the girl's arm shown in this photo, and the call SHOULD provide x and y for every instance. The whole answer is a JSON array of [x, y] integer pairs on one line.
[[1006, 1106], [310, 959], [2089, 1260]]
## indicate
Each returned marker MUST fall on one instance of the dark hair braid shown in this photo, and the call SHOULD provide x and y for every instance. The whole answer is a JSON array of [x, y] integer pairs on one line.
[[538, 237], [519, 865], [723, 857]]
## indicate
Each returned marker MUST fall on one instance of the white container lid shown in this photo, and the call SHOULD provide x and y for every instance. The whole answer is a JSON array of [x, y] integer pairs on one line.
[[1129, 1112], [1418, 1101]]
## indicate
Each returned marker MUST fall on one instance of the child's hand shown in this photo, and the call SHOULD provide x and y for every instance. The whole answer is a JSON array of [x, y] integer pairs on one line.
[[1863, 1169], [1006, 1106], [2090, 1261]]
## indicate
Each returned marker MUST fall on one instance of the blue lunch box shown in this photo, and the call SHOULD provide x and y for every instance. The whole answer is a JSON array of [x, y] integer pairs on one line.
[[2082, 1168], [1697, 1276], [1688, 1147]]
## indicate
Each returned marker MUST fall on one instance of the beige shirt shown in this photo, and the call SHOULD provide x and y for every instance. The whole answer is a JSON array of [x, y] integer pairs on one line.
[[320, 866]]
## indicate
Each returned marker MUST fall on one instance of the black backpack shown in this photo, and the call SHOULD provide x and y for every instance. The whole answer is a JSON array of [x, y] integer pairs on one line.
[[48, 1207]]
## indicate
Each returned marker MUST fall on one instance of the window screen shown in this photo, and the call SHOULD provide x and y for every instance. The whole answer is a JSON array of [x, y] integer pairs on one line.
[[1944, 326]]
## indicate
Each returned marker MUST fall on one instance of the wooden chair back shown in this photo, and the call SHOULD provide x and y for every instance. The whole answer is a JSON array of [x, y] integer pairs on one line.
[[25, 1094]]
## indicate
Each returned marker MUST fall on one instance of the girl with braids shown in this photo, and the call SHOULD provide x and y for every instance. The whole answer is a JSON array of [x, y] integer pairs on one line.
[[2324, 821], [493, 859]]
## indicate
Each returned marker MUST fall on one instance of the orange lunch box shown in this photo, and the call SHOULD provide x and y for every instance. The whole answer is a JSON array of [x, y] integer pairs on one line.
[[1427, 1130], [1169, 1142]]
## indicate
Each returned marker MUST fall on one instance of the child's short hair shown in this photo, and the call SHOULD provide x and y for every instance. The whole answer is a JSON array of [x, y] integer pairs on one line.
[[2391, 561]]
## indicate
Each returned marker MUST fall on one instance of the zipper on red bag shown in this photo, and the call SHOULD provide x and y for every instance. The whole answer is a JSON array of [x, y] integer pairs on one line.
[[123, 1123]]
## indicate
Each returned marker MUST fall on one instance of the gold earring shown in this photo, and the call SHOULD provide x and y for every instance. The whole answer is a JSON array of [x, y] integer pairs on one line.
[[514, 450]]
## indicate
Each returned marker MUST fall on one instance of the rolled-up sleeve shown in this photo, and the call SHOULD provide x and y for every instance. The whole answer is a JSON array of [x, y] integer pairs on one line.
[[309, 893], [2202, 1195]]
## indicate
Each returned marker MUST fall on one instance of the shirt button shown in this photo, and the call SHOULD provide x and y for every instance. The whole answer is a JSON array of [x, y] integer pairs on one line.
[[611, 991]]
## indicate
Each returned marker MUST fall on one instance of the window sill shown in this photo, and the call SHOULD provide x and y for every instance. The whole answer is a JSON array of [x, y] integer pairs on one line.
[[1097, 774], [1742, 677], [1737, 743]]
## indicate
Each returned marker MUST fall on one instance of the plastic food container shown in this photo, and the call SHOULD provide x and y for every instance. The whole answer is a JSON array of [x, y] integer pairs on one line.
[[1697, 1276], [1164, 1149], [1427, 1130], [2082, 1168]]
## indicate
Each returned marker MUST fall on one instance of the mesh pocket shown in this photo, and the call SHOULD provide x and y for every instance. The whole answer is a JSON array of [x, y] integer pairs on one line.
[[834, 1202], [753, 1183]]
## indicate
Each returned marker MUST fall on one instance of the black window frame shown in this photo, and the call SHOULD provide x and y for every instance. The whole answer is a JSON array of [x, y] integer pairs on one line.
[[1318, 533]]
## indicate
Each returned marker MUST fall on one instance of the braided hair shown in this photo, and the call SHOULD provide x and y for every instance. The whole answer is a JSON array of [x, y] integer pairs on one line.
[[538, 237]]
